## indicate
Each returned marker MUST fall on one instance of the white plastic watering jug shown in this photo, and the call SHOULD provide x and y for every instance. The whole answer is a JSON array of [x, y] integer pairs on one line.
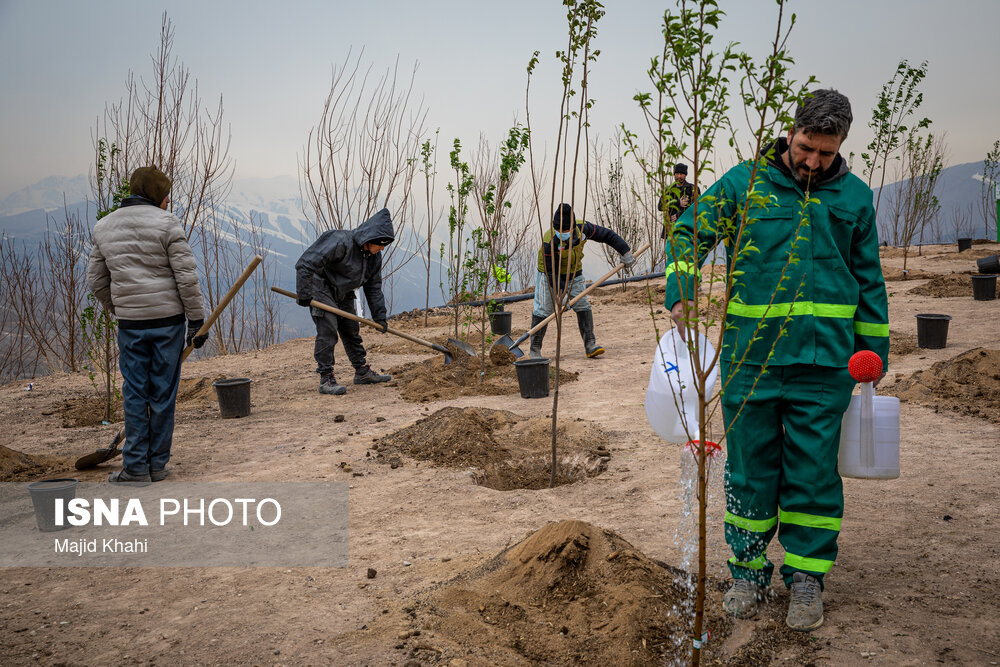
[[869, 436], [672, 397]]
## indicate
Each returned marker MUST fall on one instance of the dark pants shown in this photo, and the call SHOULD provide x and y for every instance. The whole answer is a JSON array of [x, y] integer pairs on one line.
[[328, 326], [150, 362]]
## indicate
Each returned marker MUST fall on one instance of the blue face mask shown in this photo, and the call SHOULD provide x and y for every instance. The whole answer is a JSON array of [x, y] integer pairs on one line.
[[563, 236]]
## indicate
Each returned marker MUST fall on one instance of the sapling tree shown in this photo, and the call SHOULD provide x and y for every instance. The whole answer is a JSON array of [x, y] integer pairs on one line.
[[573, 133], [458, 254], [689, 107], [617, 203], [428, 167], [990, 190], [899, 99], [913, 203]]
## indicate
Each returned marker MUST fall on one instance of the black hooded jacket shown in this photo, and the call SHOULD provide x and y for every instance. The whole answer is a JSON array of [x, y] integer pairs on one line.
[[336, 264]]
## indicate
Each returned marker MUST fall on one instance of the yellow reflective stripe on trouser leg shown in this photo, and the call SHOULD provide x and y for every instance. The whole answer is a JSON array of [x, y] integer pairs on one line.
[[754, 525], [758, 563], [809, 520], [808, 564]]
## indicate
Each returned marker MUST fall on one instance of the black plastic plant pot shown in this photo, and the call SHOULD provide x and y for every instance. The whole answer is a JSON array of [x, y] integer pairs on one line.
[[234, 397], [989, 264], [44, 495], [533, 377], [964, 244], [932, 330], [500, 322], [984, 287]]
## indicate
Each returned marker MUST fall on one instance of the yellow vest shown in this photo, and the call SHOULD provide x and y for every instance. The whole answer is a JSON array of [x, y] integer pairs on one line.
[[569, 262]]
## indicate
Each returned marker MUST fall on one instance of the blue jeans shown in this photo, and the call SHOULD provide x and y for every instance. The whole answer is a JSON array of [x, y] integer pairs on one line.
[[542, 305], [150, 362]]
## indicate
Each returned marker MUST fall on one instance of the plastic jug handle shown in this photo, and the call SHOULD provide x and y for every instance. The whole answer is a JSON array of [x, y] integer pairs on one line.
[[867, 425]]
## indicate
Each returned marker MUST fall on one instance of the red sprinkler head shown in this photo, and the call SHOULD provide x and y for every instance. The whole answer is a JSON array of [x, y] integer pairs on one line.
[[865, 366]]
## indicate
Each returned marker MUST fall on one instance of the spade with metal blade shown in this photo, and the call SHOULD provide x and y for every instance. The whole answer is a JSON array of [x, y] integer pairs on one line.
[[498, 353], [448, 358], [112, 450]]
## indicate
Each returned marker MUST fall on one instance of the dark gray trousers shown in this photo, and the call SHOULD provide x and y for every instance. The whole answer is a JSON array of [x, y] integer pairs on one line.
[[328, 326]]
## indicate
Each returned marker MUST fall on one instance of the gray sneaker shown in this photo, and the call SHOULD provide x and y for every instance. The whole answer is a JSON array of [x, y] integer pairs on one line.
[[328, 385], [805, 610], [365, 375], [742, 598]]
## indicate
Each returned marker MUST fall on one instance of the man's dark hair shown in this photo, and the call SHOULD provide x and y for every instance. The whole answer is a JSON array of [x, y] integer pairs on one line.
[[825, 112]]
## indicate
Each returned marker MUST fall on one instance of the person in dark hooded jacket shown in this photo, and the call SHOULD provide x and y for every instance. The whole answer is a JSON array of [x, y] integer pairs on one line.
[[339, 262]]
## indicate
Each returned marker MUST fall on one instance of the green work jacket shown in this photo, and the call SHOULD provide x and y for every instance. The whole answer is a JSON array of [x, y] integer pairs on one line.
[[828, 302]]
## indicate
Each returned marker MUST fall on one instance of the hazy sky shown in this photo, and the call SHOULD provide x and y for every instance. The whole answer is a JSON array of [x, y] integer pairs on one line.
[[271, 62]]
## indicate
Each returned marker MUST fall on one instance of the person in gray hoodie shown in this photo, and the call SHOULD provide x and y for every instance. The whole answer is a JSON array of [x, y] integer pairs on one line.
[[143, 272], [339, 262]]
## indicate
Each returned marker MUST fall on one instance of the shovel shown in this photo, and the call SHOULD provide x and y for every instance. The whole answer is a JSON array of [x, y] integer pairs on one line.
[[112, 450], [464, 347], [512, 345]]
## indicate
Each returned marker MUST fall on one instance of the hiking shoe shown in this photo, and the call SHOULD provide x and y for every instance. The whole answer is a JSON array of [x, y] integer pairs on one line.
[[328, 385], [805, 610], [159, 475], [594, 351], [742, 598], [365, 375], [122, 477]]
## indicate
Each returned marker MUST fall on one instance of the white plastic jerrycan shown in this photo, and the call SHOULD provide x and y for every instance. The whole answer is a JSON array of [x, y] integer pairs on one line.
[[869, 436], [672, 397]]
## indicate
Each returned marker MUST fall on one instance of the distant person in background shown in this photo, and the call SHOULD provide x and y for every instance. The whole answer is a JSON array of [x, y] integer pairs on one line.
[[562, 252], [143, 272], [678, 196], [339, 262]]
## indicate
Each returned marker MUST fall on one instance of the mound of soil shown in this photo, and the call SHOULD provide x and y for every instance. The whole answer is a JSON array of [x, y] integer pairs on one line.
[[84, 411], [892, 273], [432, 380], [20, 467], [568, 594], [953, 284], [502, 450], [972, 254], [968, 384], [901, 344], [197, 390]]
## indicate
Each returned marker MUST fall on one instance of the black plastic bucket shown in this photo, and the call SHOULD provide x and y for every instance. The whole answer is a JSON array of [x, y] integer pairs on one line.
[[500, 322], [234, 397], [533, 377], [989, 264], [932, 330], [43, 498], [984, 287], [964, 244]]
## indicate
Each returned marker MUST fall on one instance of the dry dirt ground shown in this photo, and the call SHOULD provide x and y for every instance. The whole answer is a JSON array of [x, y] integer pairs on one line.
[[467, 574]]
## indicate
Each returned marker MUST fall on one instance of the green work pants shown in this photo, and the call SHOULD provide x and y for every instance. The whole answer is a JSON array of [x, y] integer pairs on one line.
[[781, 468]]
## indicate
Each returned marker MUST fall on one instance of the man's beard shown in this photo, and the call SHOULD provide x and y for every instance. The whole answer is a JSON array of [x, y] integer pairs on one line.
[[797, 171]]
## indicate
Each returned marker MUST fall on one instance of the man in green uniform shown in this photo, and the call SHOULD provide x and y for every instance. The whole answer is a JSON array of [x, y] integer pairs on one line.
[[811, 294]]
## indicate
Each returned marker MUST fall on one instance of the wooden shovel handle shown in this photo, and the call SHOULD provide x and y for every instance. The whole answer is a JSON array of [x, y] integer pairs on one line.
[[357, 318], [594, 285], [206, 327]]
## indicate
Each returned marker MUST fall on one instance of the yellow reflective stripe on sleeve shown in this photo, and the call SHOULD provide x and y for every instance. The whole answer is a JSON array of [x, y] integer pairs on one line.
[[794, 309], [682, 267], [754, 525], [808, 564], [871, 329], [758, 563], [809, 520]]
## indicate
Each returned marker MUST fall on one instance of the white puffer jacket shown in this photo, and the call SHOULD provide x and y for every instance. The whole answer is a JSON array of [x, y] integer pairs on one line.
[[141, 266]]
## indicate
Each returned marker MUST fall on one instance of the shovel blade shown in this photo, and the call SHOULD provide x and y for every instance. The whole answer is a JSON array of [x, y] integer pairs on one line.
[[463, 346], [101, 455]]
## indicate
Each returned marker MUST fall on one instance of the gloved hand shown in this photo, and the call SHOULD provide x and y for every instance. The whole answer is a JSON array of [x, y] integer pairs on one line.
[[383, 324], [628, 259], [197, 341], [303, 299]]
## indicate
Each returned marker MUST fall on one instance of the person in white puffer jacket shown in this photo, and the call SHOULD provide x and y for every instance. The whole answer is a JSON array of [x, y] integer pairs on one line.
[[143, 272]]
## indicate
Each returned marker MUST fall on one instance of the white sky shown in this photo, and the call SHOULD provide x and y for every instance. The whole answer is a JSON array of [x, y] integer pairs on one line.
[[60, 61]]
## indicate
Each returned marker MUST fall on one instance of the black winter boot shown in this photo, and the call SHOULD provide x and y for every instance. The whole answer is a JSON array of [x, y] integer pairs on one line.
[[536, 338], [365, 375], [585, 319], [328, 385]]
